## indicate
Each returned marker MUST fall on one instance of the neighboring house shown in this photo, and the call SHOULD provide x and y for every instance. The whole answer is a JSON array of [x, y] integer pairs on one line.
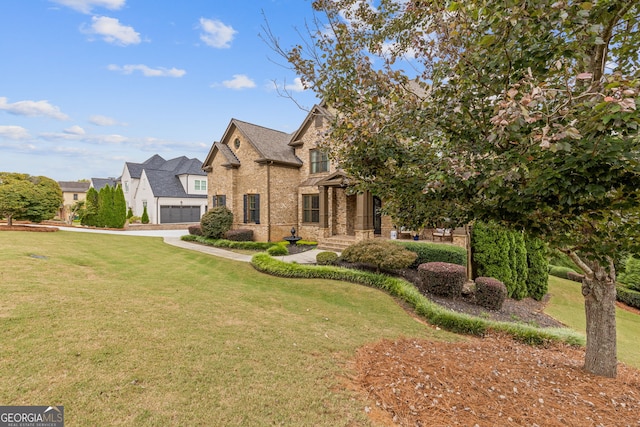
[[72, 193], [273, 181], [98, 183], [173, 191]]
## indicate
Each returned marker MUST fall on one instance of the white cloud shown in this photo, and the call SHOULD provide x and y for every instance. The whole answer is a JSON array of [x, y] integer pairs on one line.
[[148, 71], [85, 6], [74, 130], [296, 86], [14, 132], [93, 139], [215, 33], [99, 120], [112, 31], [32, 109], [239, 81]]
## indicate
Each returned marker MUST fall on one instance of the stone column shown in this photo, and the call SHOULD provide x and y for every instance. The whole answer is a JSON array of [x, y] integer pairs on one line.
[[364, 216], [324, 211]]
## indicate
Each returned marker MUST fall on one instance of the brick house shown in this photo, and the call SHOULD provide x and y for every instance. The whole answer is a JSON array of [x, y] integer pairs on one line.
[[273, 181], [72, 193]]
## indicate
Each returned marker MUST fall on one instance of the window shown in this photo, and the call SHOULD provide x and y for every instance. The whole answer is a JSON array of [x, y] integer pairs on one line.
[[144, 203], [75, 196], [236, 143], [310, 208], [126, 186], [219, 200], [319, 161], [252, 208], [201, 184]]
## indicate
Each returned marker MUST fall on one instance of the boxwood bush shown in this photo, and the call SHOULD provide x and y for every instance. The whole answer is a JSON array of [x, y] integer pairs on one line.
[[490, 293], [435, 252], [442, 278], [216, 222], [326, 258], [278, 250]]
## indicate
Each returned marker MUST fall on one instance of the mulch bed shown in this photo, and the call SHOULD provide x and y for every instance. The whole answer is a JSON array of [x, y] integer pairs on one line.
[[491, 381]]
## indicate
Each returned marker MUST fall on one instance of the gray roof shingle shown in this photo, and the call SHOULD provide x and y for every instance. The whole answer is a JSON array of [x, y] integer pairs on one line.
[[164, 175]]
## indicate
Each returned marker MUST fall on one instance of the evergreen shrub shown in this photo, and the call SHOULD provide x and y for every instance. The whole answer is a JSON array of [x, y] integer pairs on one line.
[[145, 216], [538, 268], [442, 278], [519, 270], [435, 252], [326, 258], [130, 213], [383, 254], [239, 235], [631, 274], [216, 222], [490, 293], [491, 253]]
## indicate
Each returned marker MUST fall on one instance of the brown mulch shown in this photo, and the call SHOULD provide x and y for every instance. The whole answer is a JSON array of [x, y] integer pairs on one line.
[[31, 228], [491, 381]]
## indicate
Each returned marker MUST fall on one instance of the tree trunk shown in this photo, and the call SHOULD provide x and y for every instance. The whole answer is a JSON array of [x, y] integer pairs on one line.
[[600, 308], [10, 220]]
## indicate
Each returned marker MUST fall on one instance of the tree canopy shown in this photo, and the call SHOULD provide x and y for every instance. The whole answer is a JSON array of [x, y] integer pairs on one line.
[[519, 112], [25, 197]]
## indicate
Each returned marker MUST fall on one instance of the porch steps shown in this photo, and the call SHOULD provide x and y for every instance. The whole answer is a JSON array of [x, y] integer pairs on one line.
[[336, 243]]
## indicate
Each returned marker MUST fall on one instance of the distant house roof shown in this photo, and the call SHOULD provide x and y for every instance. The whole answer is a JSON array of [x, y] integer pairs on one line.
[[73, 186], [98, 183], [164, 175]]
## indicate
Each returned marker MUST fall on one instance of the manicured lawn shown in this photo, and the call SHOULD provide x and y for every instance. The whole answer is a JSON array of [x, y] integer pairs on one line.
[[129, 331], [567, 305]]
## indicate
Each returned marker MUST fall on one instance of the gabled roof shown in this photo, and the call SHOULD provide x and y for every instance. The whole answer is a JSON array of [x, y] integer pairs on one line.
[[164, 175], [98, 183], [317, 110], [271, 145], [73, 186]]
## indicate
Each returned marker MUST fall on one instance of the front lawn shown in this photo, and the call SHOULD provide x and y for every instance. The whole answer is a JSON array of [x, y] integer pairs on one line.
[[131, 331]]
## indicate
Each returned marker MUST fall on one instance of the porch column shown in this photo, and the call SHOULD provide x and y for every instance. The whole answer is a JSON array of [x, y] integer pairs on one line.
[[364, 216], [324, 207]]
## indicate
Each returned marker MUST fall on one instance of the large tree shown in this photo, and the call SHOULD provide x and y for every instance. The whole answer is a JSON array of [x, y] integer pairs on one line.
[[33, 198], [521, 112]]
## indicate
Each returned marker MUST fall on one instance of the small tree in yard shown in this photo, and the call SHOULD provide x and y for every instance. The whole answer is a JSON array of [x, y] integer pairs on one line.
[[33, 198], [519, 112], [216, 222], [145, 216]]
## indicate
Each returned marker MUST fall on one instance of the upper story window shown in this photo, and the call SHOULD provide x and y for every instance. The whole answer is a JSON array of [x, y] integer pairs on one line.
[[201, 184], [75, 196], [319, 161]]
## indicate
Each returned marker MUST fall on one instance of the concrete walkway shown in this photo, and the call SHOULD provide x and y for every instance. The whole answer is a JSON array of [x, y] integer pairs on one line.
[[172, 237]]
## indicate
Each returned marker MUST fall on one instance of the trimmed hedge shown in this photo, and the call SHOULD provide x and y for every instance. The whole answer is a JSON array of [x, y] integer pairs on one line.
[[223, 243], [240, 235], [490, 293], [558, 271], [628, 296], [538, 268], [326, 258], [492, 253], [442, 278], [436, 315], [631, 274], [435, 252]]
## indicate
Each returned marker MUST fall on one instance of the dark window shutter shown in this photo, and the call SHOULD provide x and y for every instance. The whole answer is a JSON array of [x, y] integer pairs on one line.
[[223, 200], [213, 201], [257, 209], [245, 200]]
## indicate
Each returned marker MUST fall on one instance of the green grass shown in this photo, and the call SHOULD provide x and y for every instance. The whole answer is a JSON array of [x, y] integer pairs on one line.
[[567, 305], [129, 331]]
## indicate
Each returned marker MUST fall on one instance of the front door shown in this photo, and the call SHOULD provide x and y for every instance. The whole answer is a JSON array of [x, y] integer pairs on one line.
[[377, 215]]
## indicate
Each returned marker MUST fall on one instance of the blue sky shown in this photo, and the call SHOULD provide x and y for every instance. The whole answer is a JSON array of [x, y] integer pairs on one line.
[[86, 85]]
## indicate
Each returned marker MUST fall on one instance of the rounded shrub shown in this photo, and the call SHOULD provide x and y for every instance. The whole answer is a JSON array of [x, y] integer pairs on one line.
[[278, 250], [631, 274], [216, 222], [442, 278], [195, 230], [326, 258], [558, 271], [383, 254], [490, 293], [239, 235]]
